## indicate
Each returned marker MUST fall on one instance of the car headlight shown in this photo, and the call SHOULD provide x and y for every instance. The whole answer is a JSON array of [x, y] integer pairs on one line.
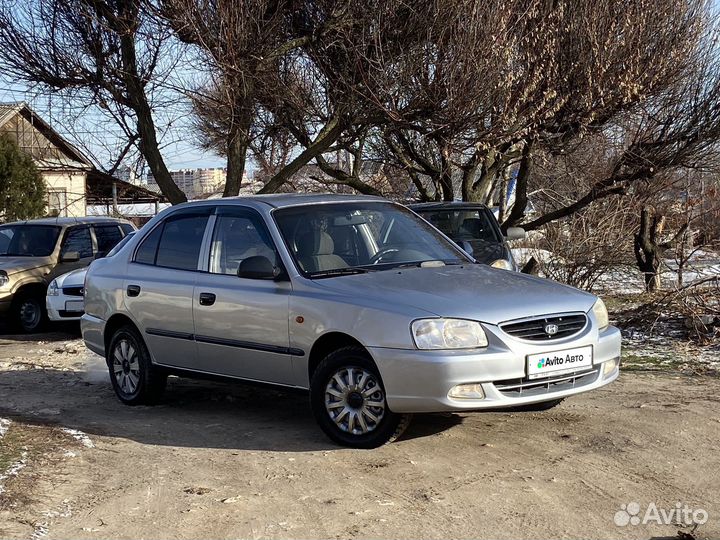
[[448, 334], [502, 263], [4, 279], [53, 289], [601, 314]]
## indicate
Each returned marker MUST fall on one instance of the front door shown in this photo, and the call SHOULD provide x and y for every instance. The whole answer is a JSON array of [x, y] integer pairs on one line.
[[76, 250], [241, 325]]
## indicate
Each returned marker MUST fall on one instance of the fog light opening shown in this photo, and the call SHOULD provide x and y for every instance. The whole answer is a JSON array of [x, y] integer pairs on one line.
[[609, 367], [467, 391]]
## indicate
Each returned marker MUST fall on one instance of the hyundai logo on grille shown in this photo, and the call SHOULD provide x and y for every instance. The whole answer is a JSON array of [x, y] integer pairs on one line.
[[551, 329]]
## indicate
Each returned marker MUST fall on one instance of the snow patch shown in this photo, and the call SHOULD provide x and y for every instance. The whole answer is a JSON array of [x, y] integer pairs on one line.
[[79, 436], [13, 470], [4, 426]]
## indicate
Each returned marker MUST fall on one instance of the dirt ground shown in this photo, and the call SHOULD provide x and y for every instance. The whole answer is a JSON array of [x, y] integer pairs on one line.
[[227, 461]]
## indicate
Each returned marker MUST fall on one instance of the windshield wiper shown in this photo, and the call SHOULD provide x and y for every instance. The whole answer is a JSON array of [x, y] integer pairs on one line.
[[350, 270]]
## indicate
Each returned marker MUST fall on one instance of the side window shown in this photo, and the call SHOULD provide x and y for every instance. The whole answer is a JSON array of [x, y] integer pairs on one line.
[[78, 239], [148, 248], [181, 242], [127, 228], [236, 238], [107, 237]]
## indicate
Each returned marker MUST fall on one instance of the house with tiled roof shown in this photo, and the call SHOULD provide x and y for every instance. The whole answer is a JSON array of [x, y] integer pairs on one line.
[[63, 167], [72, 180]]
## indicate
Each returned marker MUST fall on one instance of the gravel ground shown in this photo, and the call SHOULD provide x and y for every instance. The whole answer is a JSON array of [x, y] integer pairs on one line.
[[226, 461]]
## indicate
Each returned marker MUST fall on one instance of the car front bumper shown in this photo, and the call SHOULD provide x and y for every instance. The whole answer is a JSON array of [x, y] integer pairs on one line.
[[419, 381], [5, 305], [57, 308]]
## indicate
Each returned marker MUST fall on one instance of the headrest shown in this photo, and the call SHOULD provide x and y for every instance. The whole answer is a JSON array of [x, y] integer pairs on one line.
[[315, 243]]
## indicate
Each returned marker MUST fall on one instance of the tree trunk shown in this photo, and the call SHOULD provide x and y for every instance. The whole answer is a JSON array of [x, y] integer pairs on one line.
[[518, 208], [446, 184], [648, 252], [146, 125], [237, 146]]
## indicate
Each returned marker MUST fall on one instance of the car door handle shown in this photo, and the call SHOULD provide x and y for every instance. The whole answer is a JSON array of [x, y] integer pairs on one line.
[[133, 290], [207, 299]]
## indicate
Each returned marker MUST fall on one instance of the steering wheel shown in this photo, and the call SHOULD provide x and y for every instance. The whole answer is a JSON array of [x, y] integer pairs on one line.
[[375, 259]]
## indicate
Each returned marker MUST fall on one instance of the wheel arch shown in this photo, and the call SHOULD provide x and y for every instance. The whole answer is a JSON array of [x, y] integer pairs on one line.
[[115, 322], [36, 287], [327, 343]]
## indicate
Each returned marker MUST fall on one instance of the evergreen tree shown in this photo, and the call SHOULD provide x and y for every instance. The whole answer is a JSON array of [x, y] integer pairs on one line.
[[22, 188]]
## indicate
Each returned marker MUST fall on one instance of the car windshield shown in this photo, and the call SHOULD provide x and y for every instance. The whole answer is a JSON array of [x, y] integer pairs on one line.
[[28, 240], [339, 238], [464, 225]]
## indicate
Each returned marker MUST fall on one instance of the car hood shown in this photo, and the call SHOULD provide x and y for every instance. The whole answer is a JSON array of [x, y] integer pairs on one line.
[[76, 278], [11, 264], [472, 291]]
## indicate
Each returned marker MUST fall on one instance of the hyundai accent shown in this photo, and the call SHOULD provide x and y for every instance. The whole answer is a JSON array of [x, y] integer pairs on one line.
[[356, 299]]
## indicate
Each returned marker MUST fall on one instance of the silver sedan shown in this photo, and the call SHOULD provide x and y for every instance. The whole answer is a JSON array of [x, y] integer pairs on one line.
[[355, 299]]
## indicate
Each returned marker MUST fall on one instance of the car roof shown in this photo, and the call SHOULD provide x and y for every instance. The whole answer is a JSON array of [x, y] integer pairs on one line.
[[447, 205], [283, 200], [67, 221]]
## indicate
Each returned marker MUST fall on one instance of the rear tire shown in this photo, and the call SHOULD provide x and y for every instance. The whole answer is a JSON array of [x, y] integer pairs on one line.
[[135, 380], [348, 401], [29, 313]]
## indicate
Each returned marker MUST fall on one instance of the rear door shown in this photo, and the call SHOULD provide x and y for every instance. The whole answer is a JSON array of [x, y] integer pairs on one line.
[[159, 286]]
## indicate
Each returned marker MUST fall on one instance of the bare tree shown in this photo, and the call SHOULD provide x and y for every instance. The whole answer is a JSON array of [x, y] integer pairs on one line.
[[110, 55]]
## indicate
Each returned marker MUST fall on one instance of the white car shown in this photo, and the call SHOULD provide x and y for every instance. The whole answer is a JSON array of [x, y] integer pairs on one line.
[[65, 296], [65, 299]]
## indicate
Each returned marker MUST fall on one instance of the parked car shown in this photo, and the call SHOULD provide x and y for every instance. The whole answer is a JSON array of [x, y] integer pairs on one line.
[[65, 294], [356, 299], [474, 228], [33, 253]]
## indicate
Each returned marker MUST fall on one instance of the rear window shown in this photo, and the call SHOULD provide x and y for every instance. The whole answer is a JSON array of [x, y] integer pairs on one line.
[[175, 243], [180, 242]]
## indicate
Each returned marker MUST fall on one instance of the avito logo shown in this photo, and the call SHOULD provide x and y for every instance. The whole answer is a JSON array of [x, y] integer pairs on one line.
[[559, 360]]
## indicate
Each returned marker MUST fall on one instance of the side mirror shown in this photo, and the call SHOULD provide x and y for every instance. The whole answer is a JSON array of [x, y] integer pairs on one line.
[[258, 267], [70, 256], [515, 233]]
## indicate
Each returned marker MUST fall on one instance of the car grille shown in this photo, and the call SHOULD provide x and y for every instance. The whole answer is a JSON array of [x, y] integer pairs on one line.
[[534, 329], [74, 291], [535, 387]]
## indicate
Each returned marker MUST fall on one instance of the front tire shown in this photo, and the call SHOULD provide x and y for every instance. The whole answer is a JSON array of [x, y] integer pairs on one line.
[[135, 380], [30, 314], [348, 401]]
